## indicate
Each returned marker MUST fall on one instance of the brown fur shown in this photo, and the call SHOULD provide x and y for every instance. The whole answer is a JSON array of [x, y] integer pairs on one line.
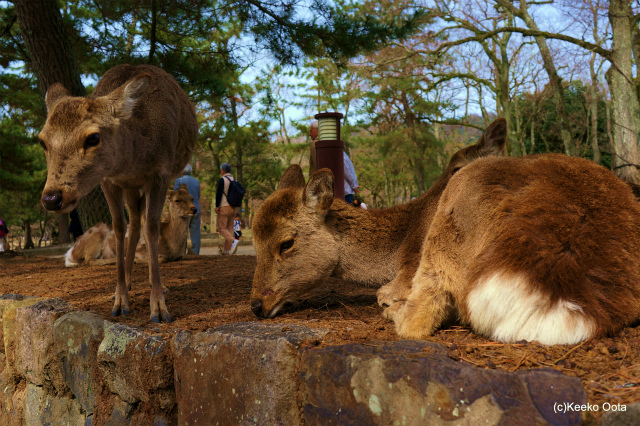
[[147, 129], [97, 245], [550, 238]]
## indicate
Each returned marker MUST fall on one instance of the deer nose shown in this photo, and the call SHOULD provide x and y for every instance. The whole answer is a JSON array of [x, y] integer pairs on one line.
[[194, 210], [256, 307], [52, 200]]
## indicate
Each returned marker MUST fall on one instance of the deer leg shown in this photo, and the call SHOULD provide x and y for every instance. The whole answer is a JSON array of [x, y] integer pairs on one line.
[[113, 194], [395, 292], [155, 196], [134, 202], [426, 308]]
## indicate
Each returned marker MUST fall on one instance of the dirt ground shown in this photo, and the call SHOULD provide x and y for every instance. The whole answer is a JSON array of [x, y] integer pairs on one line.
[[207, 291]]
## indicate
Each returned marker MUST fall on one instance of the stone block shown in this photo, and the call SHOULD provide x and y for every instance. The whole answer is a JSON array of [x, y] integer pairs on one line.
[[240, 374], [137, 366], [77, 336], [8, 308], [12, 395], [416, 383], [35, 358], [41, 408], [121, 414], [620, 415]]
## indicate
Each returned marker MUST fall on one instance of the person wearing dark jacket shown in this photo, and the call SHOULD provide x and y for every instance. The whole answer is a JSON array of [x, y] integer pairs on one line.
[[225, 212]]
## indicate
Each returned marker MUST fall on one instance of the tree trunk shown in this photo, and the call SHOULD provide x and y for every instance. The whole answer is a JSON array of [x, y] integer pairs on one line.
[[152, 36], [593, 106], [533, 137], [554, 80], [239, 140], [51, 59], [28, 241], [49, 48], [625, 110]]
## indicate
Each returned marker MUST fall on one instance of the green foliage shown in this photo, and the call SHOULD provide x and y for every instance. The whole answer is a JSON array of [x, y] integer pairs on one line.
[[338, 31], [541, 113]]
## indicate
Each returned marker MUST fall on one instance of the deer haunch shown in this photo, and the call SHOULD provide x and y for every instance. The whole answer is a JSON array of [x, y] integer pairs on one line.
[[536, 248], [136, 132], [97, 245]]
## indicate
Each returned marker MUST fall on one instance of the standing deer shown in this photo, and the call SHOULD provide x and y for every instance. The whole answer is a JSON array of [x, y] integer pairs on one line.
[[97, 246], [532, 248], [135, 132]]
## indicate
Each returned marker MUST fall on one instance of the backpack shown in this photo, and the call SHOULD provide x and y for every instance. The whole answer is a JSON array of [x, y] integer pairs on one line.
[[235, 194]]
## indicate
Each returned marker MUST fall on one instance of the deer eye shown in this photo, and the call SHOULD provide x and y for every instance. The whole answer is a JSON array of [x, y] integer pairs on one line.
[[42, 144], [286, 246], [92, 140]]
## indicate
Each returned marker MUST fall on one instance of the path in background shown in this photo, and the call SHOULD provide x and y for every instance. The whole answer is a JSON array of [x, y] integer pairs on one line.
[[214, 251]]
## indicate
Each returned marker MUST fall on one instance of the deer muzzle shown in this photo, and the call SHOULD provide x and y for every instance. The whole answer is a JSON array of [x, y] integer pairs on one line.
[[256, 307], [52, 200]]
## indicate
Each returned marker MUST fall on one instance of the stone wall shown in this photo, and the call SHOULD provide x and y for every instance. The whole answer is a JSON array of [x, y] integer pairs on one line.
[[64, 367]]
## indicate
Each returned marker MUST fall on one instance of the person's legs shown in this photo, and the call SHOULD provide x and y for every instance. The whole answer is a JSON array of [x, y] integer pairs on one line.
[[194, 232], [222, 225], [349, 198], [229, 237], [225, 226], [2, 244]]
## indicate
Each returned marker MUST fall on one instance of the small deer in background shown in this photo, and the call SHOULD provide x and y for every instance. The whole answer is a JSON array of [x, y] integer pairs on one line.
[[97, 246], [538, 248], [135, 132]]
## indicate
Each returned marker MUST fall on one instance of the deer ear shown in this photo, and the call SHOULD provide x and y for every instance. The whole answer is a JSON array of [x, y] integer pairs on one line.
[[133, 91], [292, 178], [318, 194], [494, 139], [184, 186], [55, 93]]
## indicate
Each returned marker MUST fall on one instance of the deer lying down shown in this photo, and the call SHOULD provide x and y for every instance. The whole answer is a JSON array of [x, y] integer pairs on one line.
[[135, 132], [533, 248], [97, 245]]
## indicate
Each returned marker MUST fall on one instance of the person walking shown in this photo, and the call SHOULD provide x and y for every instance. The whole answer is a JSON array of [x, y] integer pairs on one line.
[[350, 180], [193, 186], [225, 212]]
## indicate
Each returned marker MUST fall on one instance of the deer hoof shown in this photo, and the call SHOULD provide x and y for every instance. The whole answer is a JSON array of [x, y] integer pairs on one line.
[[156, 318], [119, 311], [391, 312]]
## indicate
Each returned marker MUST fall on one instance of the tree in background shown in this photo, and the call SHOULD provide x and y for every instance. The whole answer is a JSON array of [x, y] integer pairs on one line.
[[204, 44]]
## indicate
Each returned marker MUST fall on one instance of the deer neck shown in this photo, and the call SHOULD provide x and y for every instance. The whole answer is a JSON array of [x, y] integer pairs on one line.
[[374, 245]]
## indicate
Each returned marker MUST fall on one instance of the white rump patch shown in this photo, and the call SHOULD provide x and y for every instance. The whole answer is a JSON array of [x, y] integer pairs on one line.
[[68, 259], [507, 309]]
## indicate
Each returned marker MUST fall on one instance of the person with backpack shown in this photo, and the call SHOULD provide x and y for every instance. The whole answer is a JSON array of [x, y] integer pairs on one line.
[[229, 195]]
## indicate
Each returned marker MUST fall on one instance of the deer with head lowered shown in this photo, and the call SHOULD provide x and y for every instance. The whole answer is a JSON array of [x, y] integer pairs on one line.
[[97, 246], [134, 133], [537, 248]]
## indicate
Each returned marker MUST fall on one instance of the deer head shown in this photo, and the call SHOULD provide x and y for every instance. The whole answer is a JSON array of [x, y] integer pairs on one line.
[[181, 203], [81, 140]]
